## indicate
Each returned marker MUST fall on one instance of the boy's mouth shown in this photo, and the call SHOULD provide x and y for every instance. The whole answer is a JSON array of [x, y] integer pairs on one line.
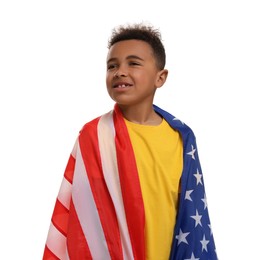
[[121, 86]]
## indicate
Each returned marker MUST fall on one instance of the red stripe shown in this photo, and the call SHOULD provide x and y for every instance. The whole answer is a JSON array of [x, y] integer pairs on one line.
[[90, 152], [60, 217], [131, 191], [76, 243], [69, 171], [49, 255]]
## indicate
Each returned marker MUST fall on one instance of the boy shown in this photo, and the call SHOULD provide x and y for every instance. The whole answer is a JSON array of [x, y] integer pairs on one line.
[[133, 186]]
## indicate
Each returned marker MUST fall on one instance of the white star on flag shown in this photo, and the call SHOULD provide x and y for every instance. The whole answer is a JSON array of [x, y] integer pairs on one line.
[[205, 201], [198, 177], [176, 119], [187, 196], [192, 257], [192, 153], [204, 243], [210, 229], [197, 219], [181, 237]]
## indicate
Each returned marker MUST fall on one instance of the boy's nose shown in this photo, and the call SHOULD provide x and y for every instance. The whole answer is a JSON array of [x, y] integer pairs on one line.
[[120, 73]]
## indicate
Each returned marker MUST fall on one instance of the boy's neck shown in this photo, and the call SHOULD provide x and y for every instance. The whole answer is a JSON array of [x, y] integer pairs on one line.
[[144, 115]]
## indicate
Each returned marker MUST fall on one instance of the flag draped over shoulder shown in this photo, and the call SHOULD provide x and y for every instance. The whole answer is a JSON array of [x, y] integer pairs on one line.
[[193, 238], [99, 211]]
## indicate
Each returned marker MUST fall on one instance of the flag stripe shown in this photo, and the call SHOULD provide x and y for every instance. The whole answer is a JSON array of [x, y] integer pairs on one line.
[[106, 137], [91, 156], [130, 186], [60, 217], [56, 242], [64, 195], [69, 171], [56, 239], [49, 255], [77, 246], [88, 214]]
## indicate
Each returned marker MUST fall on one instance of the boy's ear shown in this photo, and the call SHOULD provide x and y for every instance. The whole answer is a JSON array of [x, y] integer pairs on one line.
[[161, 78]]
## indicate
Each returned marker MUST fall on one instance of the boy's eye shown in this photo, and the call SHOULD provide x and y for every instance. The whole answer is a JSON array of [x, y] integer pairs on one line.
[[134, 63], [111, 66]]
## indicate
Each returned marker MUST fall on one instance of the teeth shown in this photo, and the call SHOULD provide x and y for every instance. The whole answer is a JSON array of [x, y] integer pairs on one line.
[[122, 86]]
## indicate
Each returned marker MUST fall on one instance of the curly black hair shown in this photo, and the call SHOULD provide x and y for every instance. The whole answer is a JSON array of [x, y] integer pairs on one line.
[[143, 32]]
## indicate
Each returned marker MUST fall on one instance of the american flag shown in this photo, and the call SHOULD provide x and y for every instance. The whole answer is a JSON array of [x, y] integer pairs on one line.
[[99, 211]]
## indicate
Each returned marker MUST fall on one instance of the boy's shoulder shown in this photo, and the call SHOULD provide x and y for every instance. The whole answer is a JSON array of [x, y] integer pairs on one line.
[[175, 122], [90, 126]]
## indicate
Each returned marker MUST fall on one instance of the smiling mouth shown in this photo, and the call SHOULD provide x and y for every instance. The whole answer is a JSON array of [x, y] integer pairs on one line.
[[121, 85]]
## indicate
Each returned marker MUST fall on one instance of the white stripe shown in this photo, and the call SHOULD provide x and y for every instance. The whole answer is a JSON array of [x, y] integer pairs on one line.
[[87, 212], [66, 256], [64, 195], [73, 153], [56, 242], [106, 139]]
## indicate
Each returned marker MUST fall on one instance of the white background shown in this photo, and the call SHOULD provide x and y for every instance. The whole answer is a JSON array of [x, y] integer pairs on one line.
[[52, 81]]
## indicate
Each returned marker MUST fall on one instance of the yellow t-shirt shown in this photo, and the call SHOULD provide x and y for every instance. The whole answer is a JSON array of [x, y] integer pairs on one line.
[[159, 156]]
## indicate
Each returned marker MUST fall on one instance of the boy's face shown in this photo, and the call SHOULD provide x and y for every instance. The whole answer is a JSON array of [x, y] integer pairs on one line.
[[132, 75]]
